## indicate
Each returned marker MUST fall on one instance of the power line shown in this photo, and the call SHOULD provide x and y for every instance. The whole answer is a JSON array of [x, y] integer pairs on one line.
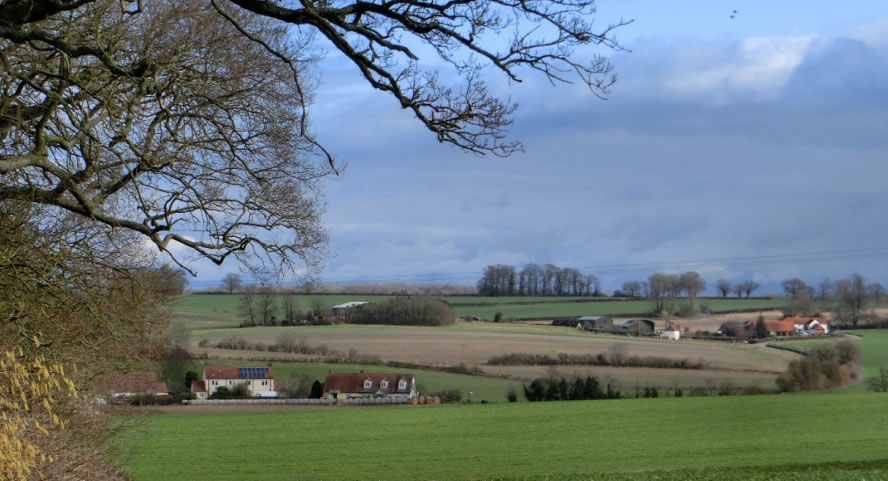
[[701, 264]]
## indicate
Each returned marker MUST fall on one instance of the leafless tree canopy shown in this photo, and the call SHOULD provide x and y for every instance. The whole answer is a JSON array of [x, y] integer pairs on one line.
[[186, 121]]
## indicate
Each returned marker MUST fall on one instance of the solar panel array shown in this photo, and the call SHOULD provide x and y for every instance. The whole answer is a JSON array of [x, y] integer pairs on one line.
[[252, 372]]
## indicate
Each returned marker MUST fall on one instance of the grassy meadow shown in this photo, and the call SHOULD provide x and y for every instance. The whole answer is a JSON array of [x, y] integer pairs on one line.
[[664, 438]]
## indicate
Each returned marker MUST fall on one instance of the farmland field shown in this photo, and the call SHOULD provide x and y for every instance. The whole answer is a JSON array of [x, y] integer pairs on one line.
[[635, 439], [475, 343], [210, 311]]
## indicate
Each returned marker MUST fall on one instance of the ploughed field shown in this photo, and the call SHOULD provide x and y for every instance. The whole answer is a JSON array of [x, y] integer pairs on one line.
[[476, 343], [799, 437]]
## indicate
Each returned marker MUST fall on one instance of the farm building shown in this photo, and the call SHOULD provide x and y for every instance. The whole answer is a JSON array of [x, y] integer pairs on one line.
[[341, 310], [134, 384], [346, 385], [742, 329], [673, 334], [566, 322], [809, 326], [259, 380], [781, 328], [596, 323], [639, 327]]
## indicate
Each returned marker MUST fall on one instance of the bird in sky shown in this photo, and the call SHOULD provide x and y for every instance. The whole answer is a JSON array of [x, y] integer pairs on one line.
[[733, 14]]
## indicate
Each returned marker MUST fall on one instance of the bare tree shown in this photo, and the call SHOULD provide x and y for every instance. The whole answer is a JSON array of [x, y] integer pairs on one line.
[[851, 295], [796, 288], [750, 286], [662, 291], [145, 116], [739, 288], [724, 287], [825, 290], [692, 284], [289, 305], [631, 288], [231, 282], [267, 306], [248, 307]]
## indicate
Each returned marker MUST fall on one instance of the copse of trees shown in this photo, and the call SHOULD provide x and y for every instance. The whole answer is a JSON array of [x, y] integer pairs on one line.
[[823, 367], [404, 311], [552, 389], [537, 280], [852, 297]]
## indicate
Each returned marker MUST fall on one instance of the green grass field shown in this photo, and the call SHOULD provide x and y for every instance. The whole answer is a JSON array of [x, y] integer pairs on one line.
[[566, 440], [213, 311], [481, 387]]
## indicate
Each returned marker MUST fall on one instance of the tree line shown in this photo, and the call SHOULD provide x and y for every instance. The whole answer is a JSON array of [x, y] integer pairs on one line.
[[850, 297], [537, 280]]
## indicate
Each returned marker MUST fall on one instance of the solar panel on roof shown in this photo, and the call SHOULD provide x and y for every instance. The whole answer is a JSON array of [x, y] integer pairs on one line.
[[252, 372]]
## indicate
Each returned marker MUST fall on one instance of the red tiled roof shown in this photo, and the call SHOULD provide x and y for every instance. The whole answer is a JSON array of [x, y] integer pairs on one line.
[[231, 372], [785, 325], [134, 382], [353, 382], [198, 386]]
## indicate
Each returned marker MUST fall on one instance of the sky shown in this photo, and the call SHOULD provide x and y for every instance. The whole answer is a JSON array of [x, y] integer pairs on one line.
[[751, 147]]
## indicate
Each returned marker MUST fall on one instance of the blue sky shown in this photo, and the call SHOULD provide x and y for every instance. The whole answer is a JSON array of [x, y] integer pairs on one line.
[[761, 135]]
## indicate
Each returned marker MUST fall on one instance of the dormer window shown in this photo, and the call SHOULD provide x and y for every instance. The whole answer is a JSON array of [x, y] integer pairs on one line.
[[384, 384], [368, 384], [402, 384]]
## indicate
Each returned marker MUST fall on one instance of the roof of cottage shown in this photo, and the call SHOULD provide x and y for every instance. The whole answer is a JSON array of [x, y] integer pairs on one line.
[[353, 382]]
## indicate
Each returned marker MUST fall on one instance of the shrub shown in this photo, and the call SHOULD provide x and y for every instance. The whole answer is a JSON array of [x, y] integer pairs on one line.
[[449, 395], [878, 383], [498, 317], [512, 395]]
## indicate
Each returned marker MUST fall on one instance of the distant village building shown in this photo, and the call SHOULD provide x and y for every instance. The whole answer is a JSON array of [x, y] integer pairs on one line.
[[596, 323], [258, 380], [788, 326], [672, 333], [348, 385], [341, 310], [639, 327]]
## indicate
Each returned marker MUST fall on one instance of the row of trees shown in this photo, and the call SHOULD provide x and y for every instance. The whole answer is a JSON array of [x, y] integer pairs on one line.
[[537, 280], [261, 305], [552, 389], [850, 297]]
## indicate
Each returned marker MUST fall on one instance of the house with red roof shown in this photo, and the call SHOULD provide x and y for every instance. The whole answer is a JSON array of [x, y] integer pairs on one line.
[[781, 328], [258, 380], [129, 385], [809, 326], [347, 385]]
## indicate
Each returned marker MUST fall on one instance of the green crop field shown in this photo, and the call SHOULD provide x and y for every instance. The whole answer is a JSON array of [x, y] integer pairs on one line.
[[560, 440], [219, 311]]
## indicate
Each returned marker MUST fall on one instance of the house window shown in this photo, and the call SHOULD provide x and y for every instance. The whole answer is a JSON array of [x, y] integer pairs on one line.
[[402, 384], [368, 384], [230, 383], [215, 382], [384, 383], [265, 383]]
